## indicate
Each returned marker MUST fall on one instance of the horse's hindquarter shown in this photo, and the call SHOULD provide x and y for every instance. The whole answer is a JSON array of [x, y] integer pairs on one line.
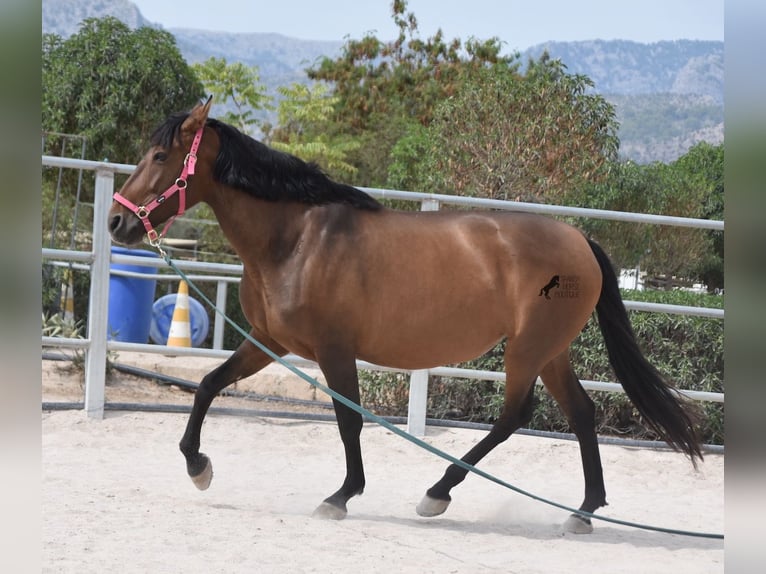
[[416, 290]]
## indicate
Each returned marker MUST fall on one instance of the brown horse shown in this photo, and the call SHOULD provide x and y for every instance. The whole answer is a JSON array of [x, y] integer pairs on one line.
[[333, 276]]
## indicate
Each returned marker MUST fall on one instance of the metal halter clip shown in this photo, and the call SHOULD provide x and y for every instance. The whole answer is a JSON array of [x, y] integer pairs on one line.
[[142, 212], [156, 241]]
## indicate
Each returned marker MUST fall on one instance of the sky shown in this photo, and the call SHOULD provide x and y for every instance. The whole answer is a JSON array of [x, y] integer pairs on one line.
[[518, 23]]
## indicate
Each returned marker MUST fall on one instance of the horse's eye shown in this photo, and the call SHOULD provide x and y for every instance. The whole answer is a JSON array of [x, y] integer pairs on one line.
[[160, 156]]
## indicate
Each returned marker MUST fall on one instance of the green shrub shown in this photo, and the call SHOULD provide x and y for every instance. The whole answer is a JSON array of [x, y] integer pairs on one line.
[[386, 394]]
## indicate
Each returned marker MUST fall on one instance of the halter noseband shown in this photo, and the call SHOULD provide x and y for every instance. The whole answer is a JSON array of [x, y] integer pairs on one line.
[[143, 211]]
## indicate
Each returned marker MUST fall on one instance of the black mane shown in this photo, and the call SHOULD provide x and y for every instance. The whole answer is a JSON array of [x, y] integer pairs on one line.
[[253, 167]]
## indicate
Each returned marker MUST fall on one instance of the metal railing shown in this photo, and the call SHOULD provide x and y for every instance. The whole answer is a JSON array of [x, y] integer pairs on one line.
[[99, 258]]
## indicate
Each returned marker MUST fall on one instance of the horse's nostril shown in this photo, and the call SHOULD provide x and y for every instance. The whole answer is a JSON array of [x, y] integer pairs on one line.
[[115, 222]]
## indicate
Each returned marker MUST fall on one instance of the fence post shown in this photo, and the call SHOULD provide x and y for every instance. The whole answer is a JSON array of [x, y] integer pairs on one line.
[[218, 322], [429, 205], [98, 304], [416, 408]]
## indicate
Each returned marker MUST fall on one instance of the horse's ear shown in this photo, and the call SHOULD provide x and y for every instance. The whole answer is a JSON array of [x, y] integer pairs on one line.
[[197, 117]]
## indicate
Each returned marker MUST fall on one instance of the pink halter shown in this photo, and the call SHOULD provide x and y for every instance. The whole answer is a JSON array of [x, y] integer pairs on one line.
[[142, 212]]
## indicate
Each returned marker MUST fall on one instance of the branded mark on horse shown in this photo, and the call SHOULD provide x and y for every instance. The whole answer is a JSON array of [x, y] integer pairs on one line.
[[333, 276]]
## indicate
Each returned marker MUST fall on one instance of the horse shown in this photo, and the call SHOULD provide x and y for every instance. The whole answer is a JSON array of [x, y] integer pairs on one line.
[[332, 275]]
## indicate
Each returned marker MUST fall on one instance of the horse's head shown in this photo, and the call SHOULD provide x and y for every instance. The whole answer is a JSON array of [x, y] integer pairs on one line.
[[164, 183]]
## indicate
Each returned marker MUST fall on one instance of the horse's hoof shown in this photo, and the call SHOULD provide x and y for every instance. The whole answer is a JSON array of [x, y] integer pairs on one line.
[[577, 524], [431, 506], [327, 511], [203, 479]]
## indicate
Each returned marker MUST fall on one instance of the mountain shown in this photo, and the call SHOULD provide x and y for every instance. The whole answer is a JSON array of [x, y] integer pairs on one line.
[[63, 17], [631, 68], [667, 95], [280, 59]]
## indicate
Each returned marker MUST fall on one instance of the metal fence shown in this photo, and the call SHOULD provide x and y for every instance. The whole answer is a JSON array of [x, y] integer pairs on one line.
[[96, 343]]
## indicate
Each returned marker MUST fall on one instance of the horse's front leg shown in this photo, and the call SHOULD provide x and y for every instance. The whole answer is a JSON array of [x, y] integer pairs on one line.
[[245, 361], [341, 376]]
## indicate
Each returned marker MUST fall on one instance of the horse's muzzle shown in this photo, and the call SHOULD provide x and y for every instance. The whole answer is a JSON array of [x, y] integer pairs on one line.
[[126, 229]]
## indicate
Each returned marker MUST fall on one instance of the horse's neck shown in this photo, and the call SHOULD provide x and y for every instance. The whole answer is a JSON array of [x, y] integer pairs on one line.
[[257, 229]]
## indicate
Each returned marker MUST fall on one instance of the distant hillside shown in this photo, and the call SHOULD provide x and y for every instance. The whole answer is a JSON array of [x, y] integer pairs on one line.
[[629, 68], [668, 95], [63, 17], [281, 60], [662, 127]]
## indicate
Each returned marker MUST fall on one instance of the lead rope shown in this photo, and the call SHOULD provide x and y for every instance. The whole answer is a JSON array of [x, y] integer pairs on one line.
[[413, 439]]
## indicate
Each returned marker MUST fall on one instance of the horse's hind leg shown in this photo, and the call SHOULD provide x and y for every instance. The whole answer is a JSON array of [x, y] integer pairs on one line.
[[245, 361], [517, 411], [562, 383]]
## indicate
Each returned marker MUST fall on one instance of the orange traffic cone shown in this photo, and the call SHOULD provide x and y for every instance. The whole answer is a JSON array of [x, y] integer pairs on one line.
[[179, 334]]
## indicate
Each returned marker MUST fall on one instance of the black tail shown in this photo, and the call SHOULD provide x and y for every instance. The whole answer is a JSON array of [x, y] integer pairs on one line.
[[660, 406]]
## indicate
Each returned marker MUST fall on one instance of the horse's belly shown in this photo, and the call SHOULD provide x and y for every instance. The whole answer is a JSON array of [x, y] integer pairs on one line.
[[409, 345]]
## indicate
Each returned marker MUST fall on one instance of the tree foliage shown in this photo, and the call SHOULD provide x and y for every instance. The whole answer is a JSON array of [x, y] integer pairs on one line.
[[383, 87], [692, 186], [303, 106], [703, 166], [113, 85], [238, 85], [533, 137]]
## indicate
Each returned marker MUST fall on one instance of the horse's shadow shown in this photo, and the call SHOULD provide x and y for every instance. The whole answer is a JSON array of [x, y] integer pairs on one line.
[[550, 531]]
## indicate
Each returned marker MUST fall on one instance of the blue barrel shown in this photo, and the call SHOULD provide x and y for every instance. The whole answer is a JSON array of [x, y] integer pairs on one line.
[[130, 299]]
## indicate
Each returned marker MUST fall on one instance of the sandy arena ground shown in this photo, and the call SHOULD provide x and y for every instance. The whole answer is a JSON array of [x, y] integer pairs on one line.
[[116, 497]]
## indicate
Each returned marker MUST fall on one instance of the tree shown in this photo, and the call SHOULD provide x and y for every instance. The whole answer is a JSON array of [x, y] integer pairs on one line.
[[628, 187], [303, 106], [538, 136], [114, 86], [676, 252], [703, 165], [385, 87], [237, 84], [679, 189]]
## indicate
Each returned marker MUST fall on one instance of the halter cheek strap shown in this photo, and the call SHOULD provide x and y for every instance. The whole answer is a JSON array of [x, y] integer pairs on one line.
[[179, 186]]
